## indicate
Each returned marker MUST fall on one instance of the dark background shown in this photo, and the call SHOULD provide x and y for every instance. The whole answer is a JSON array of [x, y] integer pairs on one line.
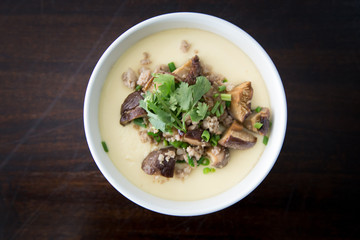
[[50, 187]]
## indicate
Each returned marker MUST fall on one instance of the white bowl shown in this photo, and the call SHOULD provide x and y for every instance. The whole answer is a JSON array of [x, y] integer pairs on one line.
[[264, 65]]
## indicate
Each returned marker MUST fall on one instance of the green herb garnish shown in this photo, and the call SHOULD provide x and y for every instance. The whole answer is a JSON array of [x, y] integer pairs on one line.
[[166, 143], [258, 109], [103, 143], [139, 122], [258, 125], [222, 88], [190, 161], [225, 80], [156, 136], [228, 104], [205, 135], [138, 88], [171, 66], [170, 105], [217, 113], [208, 170], [215, 107], [204, 161], [225, 96], [221, 109], [265, 140], [184, 144], [214, 140], [176, 144]]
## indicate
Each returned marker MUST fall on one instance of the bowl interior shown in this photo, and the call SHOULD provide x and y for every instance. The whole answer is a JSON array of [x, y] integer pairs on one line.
[[272, 81]]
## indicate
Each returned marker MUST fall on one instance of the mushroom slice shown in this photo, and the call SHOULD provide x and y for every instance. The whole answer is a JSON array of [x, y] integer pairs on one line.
[[241, 97], [237, 137], [189, 71], [193, 137], [219, 156], [160, 162], [130, 108], [261, 117], [183, 70]]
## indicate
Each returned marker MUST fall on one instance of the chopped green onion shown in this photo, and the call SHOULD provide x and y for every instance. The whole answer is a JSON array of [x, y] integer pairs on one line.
[[171, 66], [222, 88], [217, 113], [204, 161], [176, 144], [215, 107], [138, 88], [166, 143], [225, 96], [214, 140], [228, 103], [190, 161], [205, 135], [155, 136], [216, 95], [258, 109], [225, 80], [270, 124], [258, 125], [206, 170], [184, 144], [265, 140], [103, 143], [140, 122], [221, 109], [180, 161], [152, 134]]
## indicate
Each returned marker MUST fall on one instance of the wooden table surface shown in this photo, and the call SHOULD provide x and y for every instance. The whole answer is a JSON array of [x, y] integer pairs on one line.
[[52, 189]]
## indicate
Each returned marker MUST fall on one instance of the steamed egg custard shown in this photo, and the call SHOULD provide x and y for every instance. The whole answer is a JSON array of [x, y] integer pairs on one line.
[[184, 114]]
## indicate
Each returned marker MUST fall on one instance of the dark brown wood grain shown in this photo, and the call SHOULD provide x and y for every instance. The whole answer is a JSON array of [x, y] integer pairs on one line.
[[50, 187]]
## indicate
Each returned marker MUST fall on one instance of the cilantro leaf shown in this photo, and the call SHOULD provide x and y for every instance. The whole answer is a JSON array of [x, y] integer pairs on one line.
[[172, 103], [184, 96], [201, 87], [165, 84], [198, 113], [202, 109]]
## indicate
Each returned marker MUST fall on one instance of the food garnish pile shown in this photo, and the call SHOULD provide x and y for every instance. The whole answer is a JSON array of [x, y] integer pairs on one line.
[[192, 115]]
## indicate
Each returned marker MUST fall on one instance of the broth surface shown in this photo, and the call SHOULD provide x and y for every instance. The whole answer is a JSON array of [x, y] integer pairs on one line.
[[125, 148]]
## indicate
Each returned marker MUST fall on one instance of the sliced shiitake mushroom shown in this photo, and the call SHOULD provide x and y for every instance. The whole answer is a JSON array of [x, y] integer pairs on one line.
[[160, 162], [237, 137], [189, 71], [130, 108], [258, 122], [219, 156], [241, 97], [193, 137]]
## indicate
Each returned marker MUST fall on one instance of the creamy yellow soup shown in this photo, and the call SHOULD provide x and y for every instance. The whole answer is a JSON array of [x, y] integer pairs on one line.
[[125, 148]]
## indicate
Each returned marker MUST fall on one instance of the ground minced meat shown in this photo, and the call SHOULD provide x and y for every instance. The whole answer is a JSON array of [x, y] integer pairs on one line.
[[169, 154], [182, 171], [146, 60], [185, 46], [129, 78], [144, 137], [211, 123], [144, 77], [196, 152], [161, 68]]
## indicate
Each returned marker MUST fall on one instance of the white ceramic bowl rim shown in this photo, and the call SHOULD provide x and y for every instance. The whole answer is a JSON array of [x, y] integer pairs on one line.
[[277, 100]]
